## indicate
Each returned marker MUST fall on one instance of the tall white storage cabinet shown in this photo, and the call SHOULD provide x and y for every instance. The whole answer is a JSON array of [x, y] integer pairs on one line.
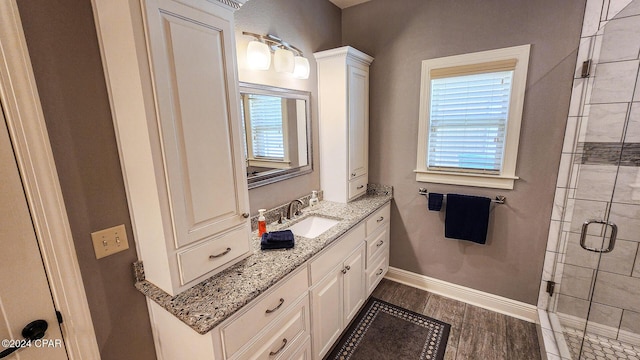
[[182, 155], [343, 81]]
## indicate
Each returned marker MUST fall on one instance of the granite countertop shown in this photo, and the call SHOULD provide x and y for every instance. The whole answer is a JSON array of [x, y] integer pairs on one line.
[[209, 303]]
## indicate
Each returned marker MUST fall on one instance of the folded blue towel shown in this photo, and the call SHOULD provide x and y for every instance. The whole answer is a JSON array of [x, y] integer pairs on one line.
[[277, 240], [467, 218], [435, 201]]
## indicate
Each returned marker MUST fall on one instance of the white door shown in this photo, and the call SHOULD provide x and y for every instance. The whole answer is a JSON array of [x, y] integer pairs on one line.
[[354, 286], [199, 120], [24, 291], [327, 311], [358, 122]]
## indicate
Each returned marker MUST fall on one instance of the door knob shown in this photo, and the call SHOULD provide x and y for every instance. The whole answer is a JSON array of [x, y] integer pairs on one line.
[[33, 331]]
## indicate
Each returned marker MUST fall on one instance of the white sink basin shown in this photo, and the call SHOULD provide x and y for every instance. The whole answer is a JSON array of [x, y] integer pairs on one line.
[[313, 226]]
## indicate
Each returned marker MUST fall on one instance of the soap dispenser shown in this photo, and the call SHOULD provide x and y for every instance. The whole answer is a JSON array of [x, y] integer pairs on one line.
[[313, 201], [262, 223]]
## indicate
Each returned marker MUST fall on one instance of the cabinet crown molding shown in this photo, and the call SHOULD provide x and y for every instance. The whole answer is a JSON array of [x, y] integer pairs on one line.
[[234, 4], [346, 51]]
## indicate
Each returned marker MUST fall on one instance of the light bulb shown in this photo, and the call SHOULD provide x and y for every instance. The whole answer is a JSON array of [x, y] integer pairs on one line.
[[258, 55], [283, 61], [301, 68]]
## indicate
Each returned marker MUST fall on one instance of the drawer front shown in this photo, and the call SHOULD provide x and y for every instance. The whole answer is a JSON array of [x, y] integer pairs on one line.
[[284, 337], [358, 186], [336, 252], [379, 218], [376, 272], [267, 308], [214, 254], [377, 243]]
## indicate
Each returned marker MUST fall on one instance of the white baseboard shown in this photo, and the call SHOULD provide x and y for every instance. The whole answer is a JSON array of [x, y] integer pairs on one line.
[[478, 298]]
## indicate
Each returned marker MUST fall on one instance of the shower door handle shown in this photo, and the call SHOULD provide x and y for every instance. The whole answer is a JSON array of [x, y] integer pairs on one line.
[[612, 238]]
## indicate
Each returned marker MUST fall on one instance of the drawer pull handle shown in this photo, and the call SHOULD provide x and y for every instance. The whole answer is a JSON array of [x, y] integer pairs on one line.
[[346, 268], [379, 272], [269, 311], [360, 187], [245, 215], [211, 257], [380, 243], [284, 343], [381, 218]]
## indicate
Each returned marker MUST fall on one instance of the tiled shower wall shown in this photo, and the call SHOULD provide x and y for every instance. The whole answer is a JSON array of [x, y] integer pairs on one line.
[[599, 177]]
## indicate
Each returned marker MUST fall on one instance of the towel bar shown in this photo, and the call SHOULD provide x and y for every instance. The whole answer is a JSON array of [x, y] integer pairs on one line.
[[500, 199]]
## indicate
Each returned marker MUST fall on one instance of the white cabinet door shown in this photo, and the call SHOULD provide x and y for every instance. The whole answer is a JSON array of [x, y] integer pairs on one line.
[[358, 83], [354, 284], [327, 312], [198, 110], [343, 106]]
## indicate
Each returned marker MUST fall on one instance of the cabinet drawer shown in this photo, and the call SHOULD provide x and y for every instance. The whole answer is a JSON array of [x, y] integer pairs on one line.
[[377, 243], [246, 326], [213, 254], [335, 253], [376, 272], [377, 219], [357, 186], [284, 337]]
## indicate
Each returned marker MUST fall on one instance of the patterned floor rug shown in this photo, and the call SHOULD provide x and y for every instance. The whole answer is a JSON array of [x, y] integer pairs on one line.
[[385, 331]]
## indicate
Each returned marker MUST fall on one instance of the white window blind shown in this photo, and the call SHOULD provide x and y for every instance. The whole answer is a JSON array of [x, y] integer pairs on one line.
[[266, 127], [468, 122]]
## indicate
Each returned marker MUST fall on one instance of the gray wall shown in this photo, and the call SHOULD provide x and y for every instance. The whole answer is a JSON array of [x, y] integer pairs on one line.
[[402, 33], [63, 46], [310, 25]]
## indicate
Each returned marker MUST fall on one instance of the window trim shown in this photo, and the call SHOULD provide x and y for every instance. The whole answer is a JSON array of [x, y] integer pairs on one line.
[[507, 176]]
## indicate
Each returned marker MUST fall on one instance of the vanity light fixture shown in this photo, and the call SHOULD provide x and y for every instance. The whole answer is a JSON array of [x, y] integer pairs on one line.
[[301, 67], [283, 60], [258, 55], [286, 58]]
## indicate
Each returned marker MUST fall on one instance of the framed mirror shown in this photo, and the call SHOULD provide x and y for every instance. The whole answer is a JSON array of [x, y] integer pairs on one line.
[[277, 133]]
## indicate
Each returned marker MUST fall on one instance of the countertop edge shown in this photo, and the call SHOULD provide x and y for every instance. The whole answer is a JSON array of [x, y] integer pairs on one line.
[[178, 305]]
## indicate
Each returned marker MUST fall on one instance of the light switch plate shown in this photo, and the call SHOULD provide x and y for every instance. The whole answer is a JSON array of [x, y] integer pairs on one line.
[[109, 241]]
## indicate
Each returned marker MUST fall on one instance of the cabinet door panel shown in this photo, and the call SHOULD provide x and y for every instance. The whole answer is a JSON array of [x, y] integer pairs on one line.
[[354, 284], [327, 313], [358, 121], [197, 119]]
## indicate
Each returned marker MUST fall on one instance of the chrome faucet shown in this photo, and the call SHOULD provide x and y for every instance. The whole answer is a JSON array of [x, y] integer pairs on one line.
[[290, 214]]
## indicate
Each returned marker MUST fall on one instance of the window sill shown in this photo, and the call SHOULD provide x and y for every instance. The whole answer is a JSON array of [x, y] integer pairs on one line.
[[479, 180], [276, 164]]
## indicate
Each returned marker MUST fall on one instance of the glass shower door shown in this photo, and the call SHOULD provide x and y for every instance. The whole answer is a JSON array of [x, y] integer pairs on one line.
[[597, 302]]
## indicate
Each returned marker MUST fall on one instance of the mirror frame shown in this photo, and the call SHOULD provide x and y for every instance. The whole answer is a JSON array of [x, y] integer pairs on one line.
[[276, 175]]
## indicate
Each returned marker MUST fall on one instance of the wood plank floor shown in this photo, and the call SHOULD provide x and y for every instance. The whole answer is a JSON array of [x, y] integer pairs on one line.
[[476, 333]]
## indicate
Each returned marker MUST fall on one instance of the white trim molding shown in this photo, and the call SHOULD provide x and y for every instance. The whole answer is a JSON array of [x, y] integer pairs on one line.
[[478, 298], [28, 132], [464, 63]]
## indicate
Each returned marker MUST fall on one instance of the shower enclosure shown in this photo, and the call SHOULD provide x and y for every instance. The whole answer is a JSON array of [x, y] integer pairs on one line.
[[591, 283]]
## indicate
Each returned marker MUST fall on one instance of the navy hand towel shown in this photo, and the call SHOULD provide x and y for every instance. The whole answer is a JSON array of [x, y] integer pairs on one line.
[[467, 218], [277, 240], [435, 201]]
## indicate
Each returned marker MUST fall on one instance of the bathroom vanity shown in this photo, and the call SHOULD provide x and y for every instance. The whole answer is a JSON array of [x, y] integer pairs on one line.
[[280, 304], [174, 91]]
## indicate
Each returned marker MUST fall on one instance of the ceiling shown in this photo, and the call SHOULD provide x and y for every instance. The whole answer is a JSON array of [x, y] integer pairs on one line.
[[346, 3]]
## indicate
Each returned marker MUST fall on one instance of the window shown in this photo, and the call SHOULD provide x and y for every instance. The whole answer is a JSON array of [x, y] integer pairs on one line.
[[470, 113]]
